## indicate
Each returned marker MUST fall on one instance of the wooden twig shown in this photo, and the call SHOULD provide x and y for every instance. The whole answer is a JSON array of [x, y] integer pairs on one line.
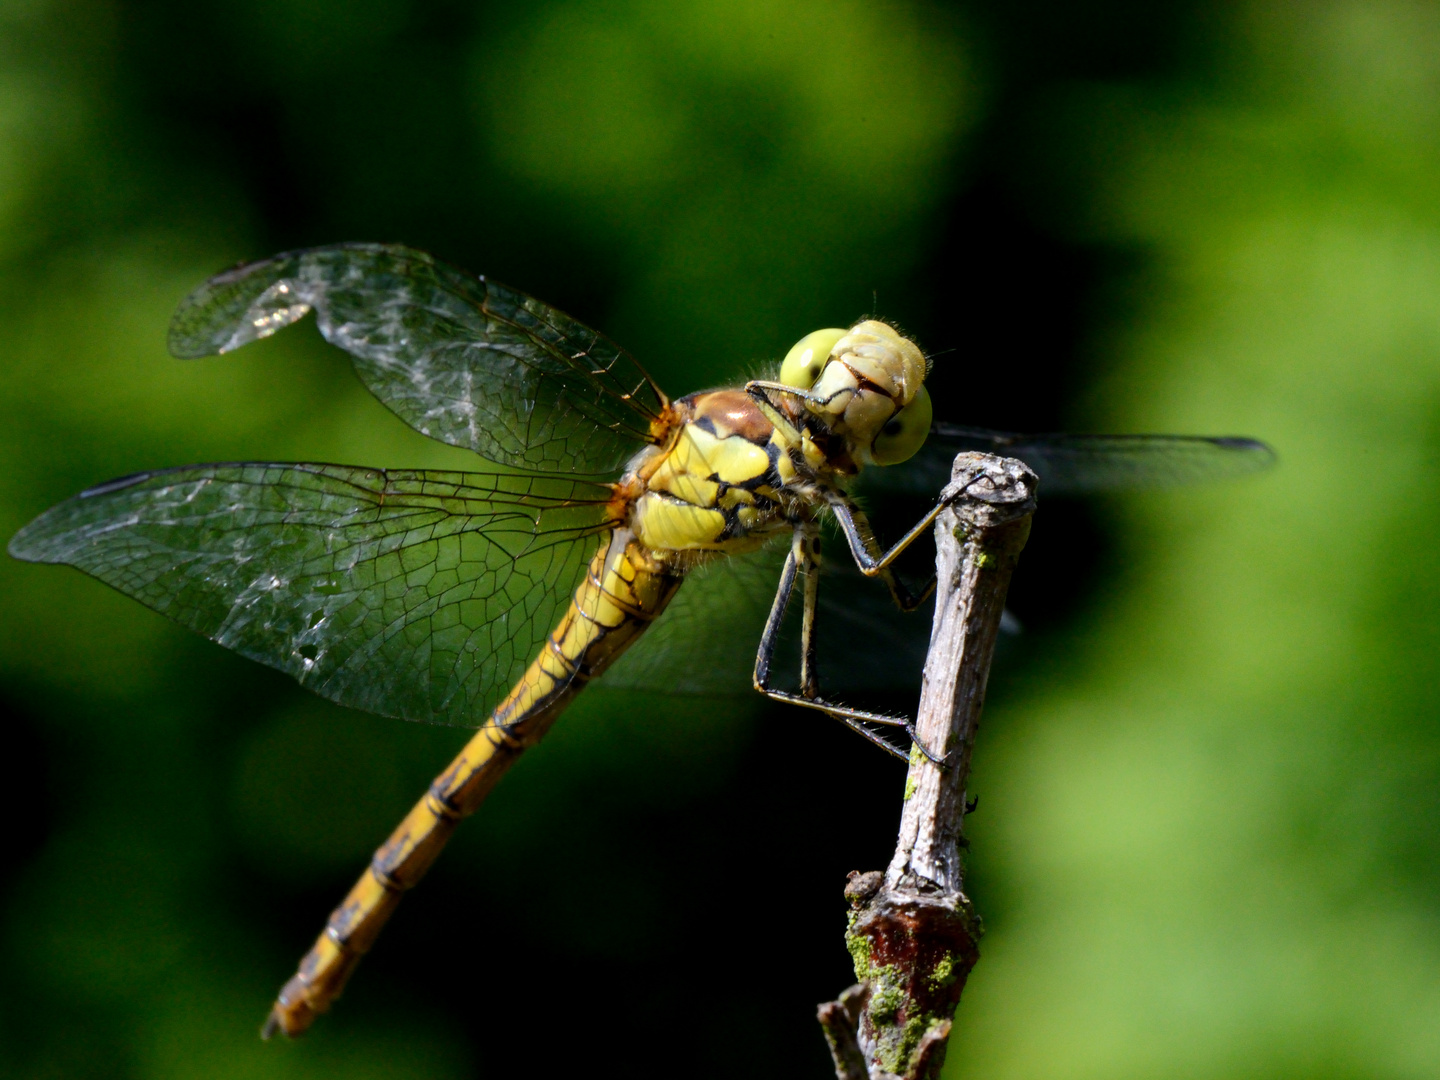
[[912, 932], [840, 1020]]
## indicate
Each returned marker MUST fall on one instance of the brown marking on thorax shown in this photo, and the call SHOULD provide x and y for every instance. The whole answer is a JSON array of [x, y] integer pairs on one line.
[[730, 412]]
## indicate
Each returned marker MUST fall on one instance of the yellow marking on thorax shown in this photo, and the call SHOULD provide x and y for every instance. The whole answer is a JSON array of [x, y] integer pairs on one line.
[[784, 463], [736, 496], [668, 525], [682, 510], [701, 461], [814, 456]]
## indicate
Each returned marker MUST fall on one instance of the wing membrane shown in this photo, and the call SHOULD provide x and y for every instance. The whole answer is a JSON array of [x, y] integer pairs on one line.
[[421, 595], [705, 642], [1081, 464], [458, 357]]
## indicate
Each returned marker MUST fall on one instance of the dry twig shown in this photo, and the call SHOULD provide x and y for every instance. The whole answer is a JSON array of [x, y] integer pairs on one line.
[[912, 931]]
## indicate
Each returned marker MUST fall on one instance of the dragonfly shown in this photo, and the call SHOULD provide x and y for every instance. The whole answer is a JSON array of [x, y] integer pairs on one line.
[[489, 599]]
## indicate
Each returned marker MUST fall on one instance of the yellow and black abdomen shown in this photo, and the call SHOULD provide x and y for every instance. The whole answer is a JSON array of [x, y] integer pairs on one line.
[[624, 590], [718, 488]]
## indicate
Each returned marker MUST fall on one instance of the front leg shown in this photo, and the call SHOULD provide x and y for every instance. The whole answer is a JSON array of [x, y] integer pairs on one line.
[[761, 389], [866, 551]]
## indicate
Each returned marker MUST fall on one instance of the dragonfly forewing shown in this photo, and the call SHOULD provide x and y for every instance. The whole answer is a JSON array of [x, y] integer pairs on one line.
[[458, 357]]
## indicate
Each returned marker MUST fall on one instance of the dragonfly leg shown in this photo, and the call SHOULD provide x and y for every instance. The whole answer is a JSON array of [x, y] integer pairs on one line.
[[810, 566], [868, 557], [768, 638], [855, 719], [872, 562], [804, 552], [761, 389]]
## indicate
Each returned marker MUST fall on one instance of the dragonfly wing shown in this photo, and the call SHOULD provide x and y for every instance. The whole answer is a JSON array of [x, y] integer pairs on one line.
[[866, 643], [458, 357], [421, 595], [706, 640], [1080, 464]]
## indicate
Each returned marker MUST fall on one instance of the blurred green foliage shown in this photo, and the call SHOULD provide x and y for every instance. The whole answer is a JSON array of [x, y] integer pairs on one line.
[[1208, 840]]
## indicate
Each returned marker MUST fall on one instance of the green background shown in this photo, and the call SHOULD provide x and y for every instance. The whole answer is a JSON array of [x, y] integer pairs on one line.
[[1210, 770]]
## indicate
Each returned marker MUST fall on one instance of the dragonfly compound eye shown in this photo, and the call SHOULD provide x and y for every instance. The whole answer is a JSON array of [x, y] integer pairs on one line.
[[904, 433], [806, 359]]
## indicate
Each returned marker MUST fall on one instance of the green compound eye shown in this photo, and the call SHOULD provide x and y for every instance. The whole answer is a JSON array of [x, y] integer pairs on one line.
[[904, 433], [804, 362]]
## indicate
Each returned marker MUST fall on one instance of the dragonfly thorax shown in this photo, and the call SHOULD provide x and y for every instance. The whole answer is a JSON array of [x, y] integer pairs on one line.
[[728, 480]]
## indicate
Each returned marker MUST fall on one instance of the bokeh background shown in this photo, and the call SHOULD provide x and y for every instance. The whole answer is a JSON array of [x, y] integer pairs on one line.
[[1208, 843]]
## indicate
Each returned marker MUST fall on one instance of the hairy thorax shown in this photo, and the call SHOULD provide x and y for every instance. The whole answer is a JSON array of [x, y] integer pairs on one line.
[[726, 482]]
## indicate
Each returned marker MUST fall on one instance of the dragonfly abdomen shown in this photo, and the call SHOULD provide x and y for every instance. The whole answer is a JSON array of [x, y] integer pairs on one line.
[[624, 590]]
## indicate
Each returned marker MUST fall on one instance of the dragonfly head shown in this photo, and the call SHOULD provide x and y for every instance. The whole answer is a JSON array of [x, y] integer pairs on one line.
[[868, 384]]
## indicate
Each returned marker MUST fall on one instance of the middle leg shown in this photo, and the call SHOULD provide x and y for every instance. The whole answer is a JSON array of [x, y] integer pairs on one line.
[[803, 558]]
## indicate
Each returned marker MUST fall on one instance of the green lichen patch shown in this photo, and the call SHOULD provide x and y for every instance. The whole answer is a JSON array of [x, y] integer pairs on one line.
[[944, 973], [887, 993], [896, 1040], [896, 1058], [858, 946]]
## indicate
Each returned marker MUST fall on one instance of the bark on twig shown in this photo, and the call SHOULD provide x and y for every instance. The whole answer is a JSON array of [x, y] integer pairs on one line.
[[912, 933], [840, 1020]]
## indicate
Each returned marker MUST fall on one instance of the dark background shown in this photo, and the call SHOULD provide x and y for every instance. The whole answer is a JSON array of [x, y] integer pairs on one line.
[[1207, 839]]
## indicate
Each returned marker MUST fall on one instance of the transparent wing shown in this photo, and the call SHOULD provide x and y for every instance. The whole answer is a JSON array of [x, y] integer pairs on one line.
[[705, 642], [460, 358], [1080, 464], [421, 595]]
